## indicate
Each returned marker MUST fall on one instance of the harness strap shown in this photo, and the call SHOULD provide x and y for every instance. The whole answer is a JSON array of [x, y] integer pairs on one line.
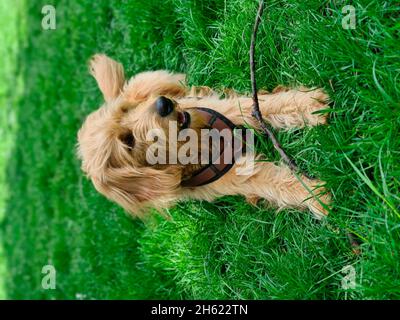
[[216, 169]]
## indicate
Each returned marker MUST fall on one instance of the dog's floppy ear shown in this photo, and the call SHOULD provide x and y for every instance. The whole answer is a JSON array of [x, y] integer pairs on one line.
[[138, 190], [109, 75]]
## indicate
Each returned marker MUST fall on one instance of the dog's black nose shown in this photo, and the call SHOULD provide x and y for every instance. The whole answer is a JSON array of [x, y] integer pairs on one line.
[[164, 106]]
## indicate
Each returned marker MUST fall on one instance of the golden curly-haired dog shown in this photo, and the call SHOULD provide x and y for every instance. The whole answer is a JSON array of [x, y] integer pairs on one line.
[[112, 142]]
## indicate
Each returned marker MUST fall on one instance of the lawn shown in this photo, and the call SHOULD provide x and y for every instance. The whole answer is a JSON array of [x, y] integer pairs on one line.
[[222, 250]]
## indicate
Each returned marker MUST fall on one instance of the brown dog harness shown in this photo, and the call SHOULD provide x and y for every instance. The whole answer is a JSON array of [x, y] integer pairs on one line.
[[216, 169]]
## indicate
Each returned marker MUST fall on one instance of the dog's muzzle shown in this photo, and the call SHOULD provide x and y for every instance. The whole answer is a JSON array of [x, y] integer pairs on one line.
[[184, 120]]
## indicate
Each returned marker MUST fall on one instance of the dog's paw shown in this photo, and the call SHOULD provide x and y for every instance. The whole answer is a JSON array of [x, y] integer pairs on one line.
[[297, 107], [314, 102], [320, 205]]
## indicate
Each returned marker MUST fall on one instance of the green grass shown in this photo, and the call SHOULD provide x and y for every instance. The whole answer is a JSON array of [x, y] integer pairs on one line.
[[10, 88], [225, 249]]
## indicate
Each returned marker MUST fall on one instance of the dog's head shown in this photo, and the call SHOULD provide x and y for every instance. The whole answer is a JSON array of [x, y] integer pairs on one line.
[[114, 139]]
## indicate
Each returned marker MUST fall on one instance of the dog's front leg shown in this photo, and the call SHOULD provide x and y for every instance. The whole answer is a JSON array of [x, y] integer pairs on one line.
[[275, 183], [294, 108], [267, 180], [278, 185]]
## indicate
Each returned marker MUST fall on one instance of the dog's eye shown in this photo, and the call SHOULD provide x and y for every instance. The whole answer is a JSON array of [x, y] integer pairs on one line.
[[128, 139]]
